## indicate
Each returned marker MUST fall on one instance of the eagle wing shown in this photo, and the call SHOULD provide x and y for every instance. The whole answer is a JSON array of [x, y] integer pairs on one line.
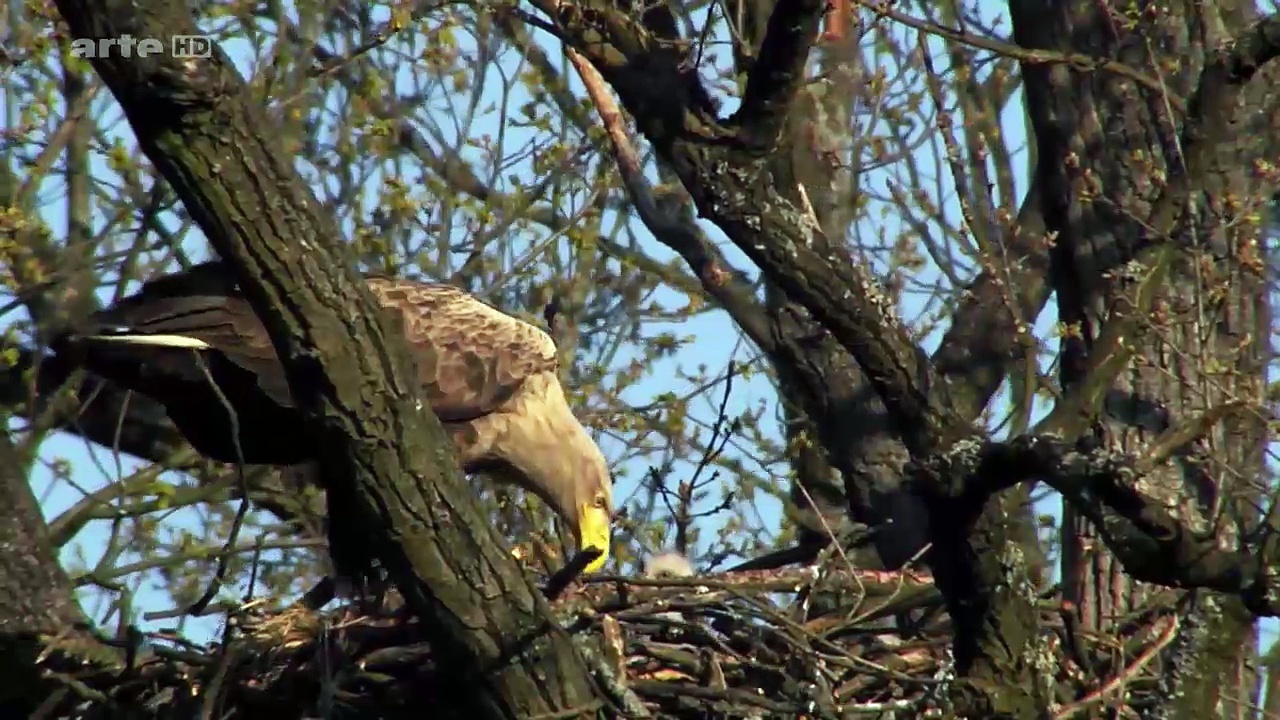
[[201, 303], [471, 357]]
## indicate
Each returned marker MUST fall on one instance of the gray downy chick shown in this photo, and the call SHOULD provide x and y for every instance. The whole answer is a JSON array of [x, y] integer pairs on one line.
[[668, 565]]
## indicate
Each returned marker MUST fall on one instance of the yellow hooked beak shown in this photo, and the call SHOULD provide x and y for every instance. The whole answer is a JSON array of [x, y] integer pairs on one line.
[[594, 533]]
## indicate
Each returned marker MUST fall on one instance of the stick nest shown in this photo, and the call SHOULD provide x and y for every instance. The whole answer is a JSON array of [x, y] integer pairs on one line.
[[763, 644]]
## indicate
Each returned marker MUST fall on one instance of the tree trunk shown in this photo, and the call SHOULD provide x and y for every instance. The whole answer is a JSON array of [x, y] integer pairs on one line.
[[385, 459], [38, 608], [1105, 143]]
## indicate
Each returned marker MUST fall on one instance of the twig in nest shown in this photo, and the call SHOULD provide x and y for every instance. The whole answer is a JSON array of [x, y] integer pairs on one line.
[[858, 537], [560, 581]]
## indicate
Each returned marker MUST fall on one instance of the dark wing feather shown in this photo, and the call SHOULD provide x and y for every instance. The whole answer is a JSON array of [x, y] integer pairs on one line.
[[203, 304], [471, 357]]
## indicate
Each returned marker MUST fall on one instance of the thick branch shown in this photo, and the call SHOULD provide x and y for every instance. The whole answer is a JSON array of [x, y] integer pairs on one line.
[[1153, 545], [383, 453], [769, 223], [993, 313], [777, 73], [840, 293], [37, 604]]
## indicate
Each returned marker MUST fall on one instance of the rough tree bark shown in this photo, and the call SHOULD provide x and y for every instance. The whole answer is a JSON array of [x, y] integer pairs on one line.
[[732, 169], [833, 405], [383, 451], [38, 608], [738, 180], [1105, 142]]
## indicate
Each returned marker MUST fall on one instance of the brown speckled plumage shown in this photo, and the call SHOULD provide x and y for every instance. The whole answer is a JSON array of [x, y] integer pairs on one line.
[[472, 357]]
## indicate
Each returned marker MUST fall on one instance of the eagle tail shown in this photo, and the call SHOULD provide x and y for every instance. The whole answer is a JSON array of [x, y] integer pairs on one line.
[[149, 338], [166, 341], [192, 323]]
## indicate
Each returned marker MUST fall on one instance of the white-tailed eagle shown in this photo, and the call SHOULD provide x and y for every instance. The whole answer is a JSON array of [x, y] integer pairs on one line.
[[490, 378]]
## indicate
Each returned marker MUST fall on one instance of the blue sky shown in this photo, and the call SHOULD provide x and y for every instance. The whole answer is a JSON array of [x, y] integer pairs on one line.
[[717, 342]]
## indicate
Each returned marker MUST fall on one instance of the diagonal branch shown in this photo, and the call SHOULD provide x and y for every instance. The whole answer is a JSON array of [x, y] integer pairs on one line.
[[793, 343], [686, 238], [768, 223], [385, 456], [759, 208], [733, 190]]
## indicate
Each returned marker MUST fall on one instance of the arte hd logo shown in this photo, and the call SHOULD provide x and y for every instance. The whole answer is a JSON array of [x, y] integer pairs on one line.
[[128, 46], [191, 46]]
